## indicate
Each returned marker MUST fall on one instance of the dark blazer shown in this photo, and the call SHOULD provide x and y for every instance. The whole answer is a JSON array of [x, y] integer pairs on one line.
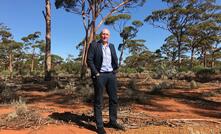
[[95, 57]]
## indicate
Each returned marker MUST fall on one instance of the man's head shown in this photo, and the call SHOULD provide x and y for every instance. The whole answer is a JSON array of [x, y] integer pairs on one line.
[[105, 35]]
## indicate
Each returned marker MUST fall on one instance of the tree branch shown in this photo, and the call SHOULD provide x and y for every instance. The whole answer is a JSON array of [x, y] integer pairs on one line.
[[110, 13]]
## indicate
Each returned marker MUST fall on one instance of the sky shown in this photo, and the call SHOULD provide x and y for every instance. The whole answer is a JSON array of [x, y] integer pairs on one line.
[[24, 17]]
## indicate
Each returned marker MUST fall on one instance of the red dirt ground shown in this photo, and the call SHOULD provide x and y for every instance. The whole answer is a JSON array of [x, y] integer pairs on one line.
[[200, 112]]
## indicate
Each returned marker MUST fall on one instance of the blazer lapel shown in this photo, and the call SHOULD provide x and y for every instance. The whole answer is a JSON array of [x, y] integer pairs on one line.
[[112, 50], [100, 49]]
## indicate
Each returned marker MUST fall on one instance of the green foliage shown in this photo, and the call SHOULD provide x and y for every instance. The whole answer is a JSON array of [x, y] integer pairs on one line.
[[205, 74], [205, 71], [113, 19], [72, 67], [127, 70], [193, 24], [170, 48], [137, 23], [127, 33], [197, 68], [165, 71], [140, 60], [183, 69], [5, 73], [136, 46]]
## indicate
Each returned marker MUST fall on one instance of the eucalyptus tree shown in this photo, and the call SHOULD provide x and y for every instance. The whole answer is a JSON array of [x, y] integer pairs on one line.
[[210, 40], [180, 15], [127, 33], [57, 62], [9, 48], [4, 34], [47, 61], [215, 53], [128, 36], [118, 22], [139, 57], [31, 44], [169, 48], [40, 56], [203, 38], [13, 49], [141, 61], [94, 13]]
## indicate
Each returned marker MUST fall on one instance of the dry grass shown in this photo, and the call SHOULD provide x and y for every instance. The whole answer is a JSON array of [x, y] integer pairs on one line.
[[22, 117]]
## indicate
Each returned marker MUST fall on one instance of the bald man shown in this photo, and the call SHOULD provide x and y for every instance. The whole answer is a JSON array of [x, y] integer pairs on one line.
[[102, 60]]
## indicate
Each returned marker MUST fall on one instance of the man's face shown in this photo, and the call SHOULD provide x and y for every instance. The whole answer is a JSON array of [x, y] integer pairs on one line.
[[105, 35]]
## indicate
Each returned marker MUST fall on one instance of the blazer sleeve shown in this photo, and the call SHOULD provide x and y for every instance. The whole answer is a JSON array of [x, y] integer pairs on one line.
[[90, 58]]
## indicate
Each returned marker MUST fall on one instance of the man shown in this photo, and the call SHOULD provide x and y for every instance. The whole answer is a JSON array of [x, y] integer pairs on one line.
[[102, 60]]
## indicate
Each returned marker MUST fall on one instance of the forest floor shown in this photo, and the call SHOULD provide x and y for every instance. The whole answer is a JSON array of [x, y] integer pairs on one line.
[[170, 111]]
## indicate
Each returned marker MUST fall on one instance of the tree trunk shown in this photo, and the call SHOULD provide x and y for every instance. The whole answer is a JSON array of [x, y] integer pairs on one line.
[[179, 54], [121, 52], [204, 57], [174, 55], [10, 67], [32, 60], [89, 37], [192, 56], [48, 41], [84, 56]]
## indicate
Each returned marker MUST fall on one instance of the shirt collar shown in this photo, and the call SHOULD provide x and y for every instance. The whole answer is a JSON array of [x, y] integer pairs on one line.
[[106, 46]]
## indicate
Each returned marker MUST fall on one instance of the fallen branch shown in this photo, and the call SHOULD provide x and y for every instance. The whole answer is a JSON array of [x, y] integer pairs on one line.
[[130, 117], [147, 78], [207, 120]]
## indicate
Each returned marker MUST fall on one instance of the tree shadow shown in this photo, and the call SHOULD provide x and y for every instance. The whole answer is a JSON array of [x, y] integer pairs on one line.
[[82, 120], [198, 100], [149, 103], [205, 107], [149, 100], [195, 100], [214, 114]]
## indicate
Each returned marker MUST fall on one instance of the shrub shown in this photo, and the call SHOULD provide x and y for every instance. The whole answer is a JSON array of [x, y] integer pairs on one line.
[[5, 73], [205, 74], [133, 84], [164, 85], [193, 84], [189, 75], [183, 69], [197, 68], [203, 70], [22, 117], [72, 67], [164, 71], [7, 93], [127, 70]]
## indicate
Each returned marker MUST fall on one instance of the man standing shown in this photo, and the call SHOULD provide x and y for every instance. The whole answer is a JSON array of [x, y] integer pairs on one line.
[[102, 60]]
